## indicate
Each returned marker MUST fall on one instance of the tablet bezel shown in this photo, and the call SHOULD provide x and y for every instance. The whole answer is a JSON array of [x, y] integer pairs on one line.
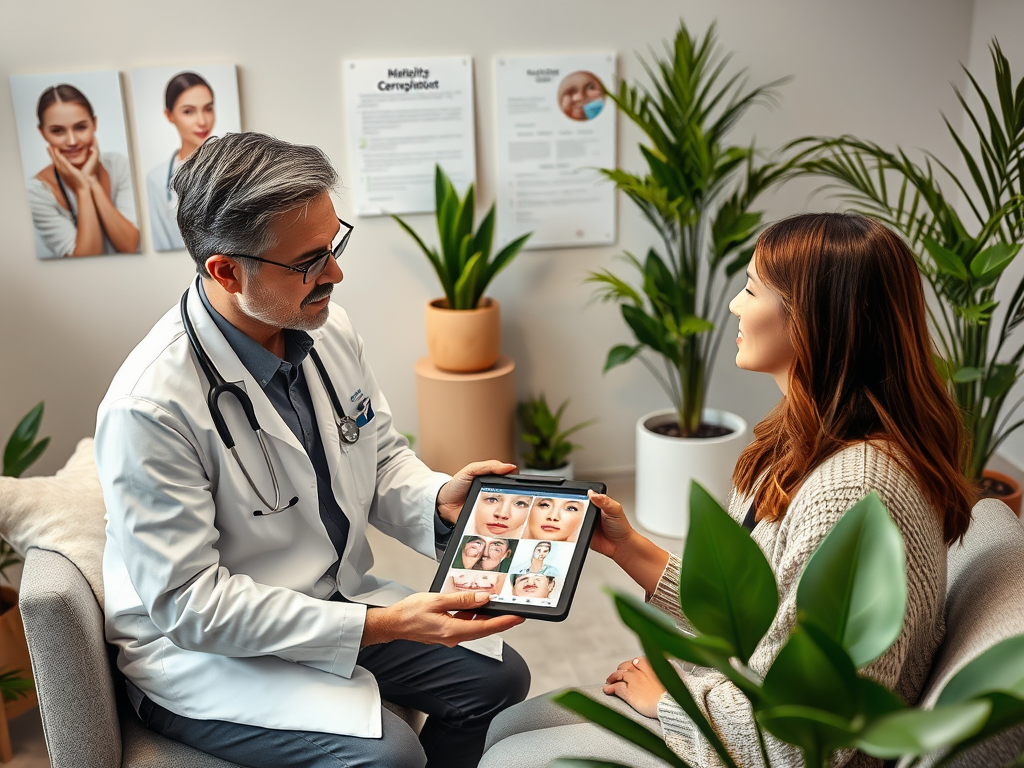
[[535, 485]]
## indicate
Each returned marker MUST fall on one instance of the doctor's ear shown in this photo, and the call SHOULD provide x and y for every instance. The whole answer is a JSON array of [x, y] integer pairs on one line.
[[226, 272]]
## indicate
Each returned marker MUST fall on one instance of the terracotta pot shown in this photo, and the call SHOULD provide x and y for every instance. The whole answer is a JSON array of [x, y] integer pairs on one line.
[[463, 340], [14, 649], [1013, 501]]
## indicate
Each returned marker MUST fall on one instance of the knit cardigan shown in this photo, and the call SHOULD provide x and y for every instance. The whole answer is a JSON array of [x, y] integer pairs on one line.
[[831, 489]]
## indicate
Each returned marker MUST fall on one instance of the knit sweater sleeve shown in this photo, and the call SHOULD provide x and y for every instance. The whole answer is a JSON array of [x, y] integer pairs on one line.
[[825, 496]]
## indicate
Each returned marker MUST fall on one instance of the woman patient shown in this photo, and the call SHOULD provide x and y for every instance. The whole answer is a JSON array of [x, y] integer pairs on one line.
[[833, 311]]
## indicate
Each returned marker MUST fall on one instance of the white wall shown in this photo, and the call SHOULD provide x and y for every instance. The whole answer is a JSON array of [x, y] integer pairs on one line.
[[877, 68]]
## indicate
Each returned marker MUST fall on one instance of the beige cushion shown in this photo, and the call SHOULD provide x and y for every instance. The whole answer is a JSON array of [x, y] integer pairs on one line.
[[63, 513]]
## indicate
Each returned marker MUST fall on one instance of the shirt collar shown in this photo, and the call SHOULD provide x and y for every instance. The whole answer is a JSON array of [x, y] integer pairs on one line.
[[260, 362]]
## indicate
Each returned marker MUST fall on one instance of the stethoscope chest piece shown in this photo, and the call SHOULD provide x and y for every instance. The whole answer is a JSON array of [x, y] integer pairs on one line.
[[348, 430]]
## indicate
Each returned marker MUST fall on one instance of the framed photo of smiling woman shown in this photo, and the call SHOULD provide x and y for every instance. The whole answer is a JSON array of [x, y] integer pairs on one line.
[[176, 109], [74, 155]]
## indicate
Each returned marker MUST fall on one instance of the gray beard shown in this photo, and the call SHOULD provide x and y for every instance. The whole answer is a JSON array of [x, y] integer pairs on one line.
[[269, 309]]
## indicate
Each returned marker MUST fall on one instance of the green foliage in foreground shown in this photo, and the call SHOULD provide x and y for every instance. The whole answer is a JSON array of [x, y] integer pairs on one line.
[[851, 600]]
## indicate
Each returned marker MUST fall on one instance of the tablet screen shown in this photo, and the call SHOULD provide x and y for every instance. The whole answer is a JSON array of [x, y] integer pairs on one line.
[[518, 546]]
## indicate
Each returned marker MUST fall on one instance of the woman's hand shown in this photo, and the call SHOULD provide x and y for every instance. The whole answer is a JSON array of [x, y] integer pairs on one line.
[[75, 178], [91, 169], [636, 684], [613, 529], [633, 552]]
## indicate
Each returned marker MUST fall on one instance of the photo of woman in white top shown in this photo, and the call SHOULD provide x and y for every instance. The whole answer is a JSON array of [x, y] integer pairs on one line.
[[82, 202], [189, 107]]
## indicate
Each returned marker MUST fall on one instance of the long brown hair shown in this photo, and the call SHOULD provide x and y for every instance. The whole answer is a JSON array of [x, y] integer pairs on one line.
[[862, 366]]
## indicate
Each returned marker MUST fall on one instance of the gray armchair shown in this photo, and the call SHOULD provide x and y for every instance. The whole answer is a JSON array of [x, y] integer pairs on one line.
[[87, 720]]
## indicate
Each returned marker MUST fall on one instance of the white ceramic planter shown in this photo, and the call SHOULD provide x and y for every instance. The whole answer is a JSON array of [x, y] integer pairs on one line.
[[666, 465], [567, 471]]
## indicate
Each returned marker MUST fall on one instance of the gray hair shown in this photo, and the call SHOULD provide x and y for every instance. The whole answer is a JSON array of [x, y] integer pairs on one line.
[[231, 189]]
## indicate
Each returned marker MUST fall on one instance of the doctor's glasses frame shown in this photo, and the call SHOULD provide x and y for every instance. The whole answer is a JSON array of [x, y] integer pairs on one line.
[[313, 268]]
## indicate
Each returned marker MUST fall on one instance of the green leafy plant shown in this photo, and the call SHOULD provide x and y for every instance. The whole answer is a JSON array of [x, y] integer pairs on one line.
[[20, 453], [464, 265], [13, 686], [549, 447], [964, 257], [698, 192], [851, 600]]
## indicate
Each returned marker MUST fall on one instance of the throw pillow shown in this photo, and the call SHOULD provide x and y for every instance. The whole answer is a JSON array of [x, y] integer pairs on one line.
[[63, 513]]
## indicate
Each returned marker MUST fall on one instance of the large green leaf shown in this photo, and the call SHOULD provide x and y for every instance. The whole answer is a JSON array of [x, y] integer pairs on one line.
[[920, 731], [991, 262], [1002, 378], [20, 452], [737, 596], [1000, 668], [813, 671], [947, 261], [619, 354], [619, 724], [854, 587], [654, 627], [817, 733], [647, 330]]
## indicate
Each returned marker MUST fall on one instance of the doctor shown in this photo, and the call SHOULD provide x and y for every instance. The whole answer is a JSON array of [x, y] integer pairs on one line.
[[237, 584]]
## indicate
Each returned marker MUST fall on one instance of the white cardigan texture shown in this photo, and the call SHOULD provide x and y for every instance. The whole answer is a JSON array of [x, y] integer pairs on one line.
[[831, 489]]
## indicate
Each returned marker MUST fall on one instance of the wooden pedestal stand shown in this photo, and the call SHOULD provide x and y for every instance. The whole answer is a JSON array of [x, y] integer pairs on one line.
[[13, 655], [465, 417]]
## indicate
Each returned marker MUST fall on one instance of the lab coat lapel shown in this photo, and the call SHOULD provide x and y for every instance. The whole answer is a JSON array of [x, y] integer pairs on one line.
[[328, 426], [232, 370]]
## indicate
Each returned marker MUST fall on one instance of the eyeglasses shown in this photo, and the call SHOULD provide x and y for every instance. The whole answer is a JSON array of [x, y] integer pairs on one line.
[[313, 268]]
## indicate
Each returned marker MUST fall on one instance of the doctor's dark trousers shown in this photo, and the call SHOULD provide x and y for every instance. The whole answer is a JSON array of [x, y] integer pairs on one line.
[[460, 691]]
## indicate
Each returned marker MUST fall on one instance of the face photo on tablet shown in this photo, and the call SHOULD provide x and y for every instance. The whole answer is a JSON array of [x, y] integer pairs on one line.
[[500, 514], [556, 518], [473, 581]]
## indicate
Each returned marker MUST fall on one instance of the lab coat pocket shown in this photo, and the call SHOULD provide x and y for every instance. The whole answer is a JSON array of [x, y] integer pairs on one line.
[[362, 461]]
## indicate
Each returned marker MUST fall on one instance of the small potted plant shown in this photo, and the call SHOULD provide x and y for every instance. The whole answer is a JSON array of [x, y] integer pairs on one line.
[[548, 447], [463, 327]]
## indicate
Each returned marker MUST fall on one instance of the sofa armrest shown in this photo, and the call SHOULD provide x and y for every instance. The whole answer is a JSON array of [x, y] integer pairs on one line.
[[64, 627]]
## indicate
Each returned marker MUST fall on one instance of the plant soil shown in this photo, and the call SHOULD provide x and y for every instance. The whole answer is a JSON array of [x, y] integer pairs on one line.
[[995, 489], [671, 429]]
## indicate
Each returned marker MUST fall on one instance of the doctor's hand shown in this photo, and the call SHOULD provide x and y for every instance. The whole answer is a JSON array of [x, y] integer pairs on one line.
[[452, 495], [426, 618]]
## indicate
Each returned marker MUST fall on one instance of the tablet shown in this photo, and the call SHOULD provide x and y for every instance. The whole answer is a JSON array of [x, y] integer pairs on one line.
[[523, 539]]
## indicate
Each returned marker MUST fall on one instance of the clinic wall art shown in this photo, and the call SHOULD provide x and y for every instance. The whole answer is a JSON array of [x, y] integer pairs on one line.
[[176, 109], [74, 156]]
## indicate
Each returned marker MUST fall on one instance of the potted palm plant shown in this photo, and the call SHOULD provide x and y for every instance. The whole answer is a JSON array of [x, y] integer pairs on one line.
[[962, 257], [548, 447], [698, 191], [463, 327]]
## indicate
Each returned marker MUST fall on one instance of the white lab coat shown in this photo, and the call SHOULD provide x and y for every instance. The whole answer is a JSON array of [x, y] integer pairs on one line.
[[218, 614]]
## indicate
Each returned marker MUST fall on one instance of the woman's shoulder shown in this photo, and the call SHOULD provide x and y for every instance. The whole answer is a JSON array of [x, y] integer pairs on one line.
[[867, 463], [115, 163], [39, 191]]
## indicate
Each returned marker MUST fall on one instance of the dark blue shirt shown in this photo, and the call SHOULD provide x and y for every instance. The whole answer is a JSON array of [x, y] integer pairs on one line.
[[284, 383]]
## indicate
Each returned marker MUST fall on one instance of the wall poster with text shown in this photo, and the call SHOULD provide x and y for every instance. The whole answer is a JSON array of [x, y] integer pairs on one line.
[[404, 116], [556, 127]]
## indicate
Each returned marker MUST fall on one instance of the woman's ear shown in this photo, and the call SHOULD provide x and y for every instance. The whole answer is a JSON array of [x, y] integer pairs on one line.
[[167, 114]]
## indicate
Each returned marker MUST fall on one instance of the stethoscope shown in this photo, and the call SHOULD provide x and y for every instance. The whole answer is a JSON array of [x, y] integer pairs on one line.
[[348, 429], [170, 175]]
